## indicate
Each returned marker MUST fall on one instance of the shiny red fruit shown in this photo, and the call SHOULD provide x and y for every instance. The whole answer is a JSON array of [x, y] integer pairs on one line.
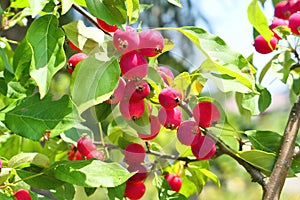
[[106, 27], [294, 23], [136, 90], [206, 114], [22, 195], [134, 190], [169, 97], [134, 154], [126, 41], [85, 145], [187, 131], [262, 46], [174, 181], [203, 147], [74, 155], [155, 128], [74, 60], [151, 43], [141, 174], [170, 118], [132, 109], [133, 65], [118, 94], [282, 10], [96, 154]]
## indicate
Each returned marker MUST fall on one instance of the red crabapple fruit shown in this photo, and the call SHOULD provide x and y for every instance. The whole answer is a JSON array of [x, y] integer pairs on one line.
[[134, 154], [169, 97], [133, 65], [132, 109], [85, 145], [22, 195], [126, 41], [282, 10], [174, 181], [136, 90], [118, 92], [106, 27], [74, 60], [187, 132], [134, 190], [206, 114], [170, 118], [262, 46], [73, 46], [151, 42], [155, 128], [141, 174], [275, 23], [166, 74], [203, 147], [294, 23], [96, 154], [74, 154]]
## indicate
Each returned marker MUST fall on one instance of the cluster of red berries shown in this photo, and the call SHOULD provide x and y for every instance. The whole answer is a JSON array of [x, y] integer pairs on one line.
[[286, 14], [85, 150]]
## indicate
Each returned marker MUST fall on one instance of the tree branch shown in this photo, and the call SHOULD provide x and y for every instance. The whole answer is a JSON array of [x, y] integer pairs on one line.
[[285, 157]]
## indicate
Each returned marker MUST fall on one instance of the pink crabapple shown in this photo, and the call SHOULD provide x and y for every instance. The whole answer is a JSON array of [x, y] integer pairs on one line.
[[151, 42], [203, 147], [262, 46], [174, 181], [22, 195], [187, 131], [170, 118], [118, 92], [141, 174], [132, 109], [85, 145], [136, 90], [294, 23], [282, 10], [134, 153], [98, 154], [126, 41], [277, 22], [169, 97], [134, 190], [74, 60], [206, 114], [133, 65]]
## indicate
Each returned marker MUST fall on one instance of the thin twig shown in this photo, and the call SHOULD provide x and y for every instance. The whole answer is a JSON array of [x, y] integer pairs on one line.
[[285, 157]]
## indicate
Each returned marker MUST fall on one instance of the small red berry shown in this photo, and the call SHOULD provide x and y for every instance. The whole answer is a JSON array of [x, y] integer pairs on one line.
[[132, 109], [294, 23], [262, 46], [169, 98], [74, 60], [170, 118], [106, 27], [136, 90], [134, 153], [126, 41], [133, 65], [118, 92], [206, 114], [151, 42], [187, 132], [85, 145], [282, 10], [134, 190], [95, 154], [275, 23], [22, 195], [203, 147], [174, 181]]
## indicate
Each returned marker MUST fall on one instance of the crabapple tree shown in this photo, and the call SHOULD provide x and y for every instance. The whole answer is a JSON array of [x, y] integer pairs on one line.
[[158, 130]]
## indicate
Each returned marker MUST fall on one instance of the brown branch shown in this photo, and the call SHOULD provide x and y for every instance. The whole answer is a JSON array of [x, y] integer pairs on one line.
[[285, 157]]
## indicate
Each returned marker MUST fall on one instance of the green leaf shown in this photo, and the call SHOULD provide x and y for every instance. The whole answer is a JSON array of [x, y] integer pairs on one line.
[[211, 176], [9, 145], [103, 110], [3, 196], [38, 179], [112, 12], [90, 190], [33, 116], [66, 5], [266, 68], [223, 59], [175, 3], [182, 81], [5, 173], [37, 6], [133, 10], [103, 79], [23, 160], [116, 192], [5, 58], [85, 38], [260, 159], [258, 20], [65, 191], [46, 41], [22, 60], [81, 2], [91, 173], [20, 4], [72, 135]]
